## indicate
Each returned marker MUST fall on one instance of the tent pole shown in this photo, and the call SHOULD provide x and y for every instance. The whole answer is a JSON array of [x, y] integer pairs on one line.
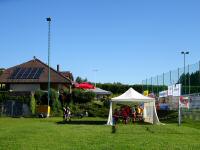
[[179, 112]]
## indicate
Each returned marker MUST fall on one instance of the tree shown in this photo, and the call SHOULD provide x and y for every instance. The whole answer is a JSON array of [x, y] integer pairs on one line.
[[32, 104], [82, 96], [194, 79], [1, 70], [80, 80]]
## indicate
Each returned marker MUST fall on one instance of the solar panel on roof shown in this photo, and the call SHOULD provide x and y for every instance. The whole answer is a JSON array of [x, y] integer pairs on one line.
[[26, 73], [20, 73], [32, 73], [14, 73], [38, 73]]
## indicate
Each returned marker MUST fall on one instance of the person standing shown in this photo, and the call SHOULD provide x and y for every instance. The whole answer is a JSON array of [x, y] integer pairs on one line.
[[134, 114]]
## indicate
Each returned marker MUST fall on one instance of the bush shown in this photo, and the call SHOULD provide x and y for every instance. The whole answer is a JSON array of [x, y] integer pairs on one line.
[[3, 96], [55, 103], [32, 104], [82, 96], [65, 97], [42, 99], [38, 96], [15, 96], [97, 111]]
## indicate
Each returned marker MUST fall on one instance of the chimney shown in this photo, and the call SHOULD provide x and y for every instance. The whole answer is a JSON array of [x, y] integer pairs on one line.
[[58, 68]]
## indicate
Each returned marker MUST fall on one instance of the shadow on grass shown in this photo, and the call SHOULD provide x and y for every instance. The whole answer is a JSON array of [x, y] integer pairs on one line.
[[98, 122], [82, 122]]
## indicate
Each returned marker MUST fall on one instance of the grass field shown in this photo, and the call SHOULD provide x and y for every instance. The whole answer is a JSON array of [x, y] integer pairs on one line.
[[92, 134]]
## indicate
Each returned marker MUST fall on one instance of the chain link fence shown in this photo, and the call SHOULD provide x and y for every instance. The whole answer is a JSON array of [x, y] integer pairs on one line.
[[189, 78]]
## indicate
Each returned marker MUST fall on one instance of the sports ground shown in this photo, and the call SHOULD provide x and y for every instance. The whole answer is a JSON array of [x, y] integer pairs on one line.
[[93, 134]]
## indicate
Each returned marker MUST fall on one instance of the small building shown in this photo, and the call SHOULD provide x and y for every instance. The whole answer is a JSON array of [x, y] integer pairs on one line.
[[33, 75]]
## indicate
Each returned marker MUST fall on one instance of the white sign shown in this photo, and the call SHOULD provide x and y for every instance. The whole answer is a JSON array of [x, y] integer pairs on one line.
[[184, 102], [170, 90], [177, 90], [163, 93]]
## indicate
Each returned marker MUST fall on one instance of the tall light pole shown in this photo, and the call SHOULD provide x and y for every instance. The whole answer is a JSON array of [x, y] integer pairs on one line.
[[95, 71], [49, 76], [184, 53]]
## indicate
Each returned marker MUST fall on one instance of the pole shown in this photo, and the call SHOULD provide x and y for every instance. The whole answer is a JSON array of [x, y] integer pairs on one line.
[[179, 112], [178, 76], [151, 85], [163, 81], [142, 87], [147, 84], [199, 74], [157, 85], [95, 71], [49, 76], [189, 78], [184, 53], [184, 75]]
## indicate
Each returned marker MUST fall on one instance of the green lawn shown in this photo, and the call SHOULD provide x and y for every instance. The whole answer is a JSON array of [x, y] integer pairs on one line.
[[91, 133]]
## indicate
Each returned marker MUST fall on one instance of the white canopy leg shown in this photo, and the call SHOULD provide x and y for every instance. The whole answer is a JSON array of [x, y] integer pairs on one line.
[[110, 119]]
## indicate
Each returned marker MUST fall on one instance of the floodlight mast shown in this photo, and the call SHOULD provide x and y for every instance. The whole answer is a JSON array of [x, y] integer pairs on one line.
[[184, 53], [179, 103], [49, 76]]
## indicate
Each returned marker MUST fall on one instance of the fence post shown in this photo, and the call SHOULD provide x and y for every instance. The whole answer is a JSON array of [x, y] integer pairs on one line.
[[163, 80], [170, 76], [178, 76], [189, 79], [142, 86], [157, 85], [146, 85], [151, 85], [199, 74]]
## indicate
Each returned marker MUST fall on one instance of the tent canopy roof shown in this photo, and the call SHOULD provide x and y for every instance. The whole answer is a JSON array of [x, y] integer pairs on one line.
[[100, 91], [132, 96]]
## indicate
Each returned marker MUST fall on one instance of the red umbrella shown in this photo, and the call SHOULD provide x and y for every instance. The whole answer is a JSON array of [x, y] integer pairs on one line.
[[85, 85]]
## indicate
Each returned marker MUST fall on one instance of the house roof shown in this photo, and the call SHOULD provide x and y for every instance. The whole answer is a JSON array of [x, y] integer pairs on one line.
[[67, 74], [8, 75]]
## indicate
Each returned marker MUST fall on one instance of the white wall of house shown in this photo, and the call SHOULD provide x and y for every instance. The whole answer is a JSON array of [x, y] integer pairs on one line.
[[24, 87]]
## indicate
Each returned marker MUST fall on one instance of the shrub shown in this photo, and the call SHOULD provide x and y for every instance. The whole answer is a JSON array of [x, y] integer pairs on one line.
[[4, 96], [82, 96], [32, 104], [42, 99], [38, 96], [55, 103]]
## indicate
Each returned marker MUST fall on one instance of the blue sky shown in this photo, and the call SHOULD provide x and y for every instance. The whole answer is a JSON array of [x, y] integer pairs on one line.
[[126, 40]]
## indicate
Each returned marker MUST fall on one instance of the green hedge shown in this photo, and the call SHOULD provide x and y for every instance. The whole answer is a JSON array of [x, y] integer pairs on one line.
[[24, 98]]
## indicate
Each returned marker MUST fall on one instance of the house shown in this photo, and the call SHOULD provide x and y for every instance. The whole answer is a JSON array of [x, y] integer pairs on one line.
[[33, 75]]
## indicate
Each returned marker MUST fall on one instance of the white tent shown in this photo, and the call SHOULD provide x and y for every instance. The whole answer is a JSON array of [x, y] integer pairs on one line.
[[149, 115]]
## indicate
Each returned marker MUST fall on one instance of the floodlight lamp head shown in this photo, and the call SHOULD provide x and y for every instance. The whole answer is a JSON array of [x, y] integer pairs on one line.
[[182, 52], [48, 19], [187, 53]]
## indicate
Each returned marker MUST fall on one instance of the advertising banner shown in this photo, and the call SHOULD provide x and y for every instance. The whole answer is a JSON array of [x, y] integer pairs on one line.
[[163, 93], [176, 90], [170, 90], [184, 102]]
